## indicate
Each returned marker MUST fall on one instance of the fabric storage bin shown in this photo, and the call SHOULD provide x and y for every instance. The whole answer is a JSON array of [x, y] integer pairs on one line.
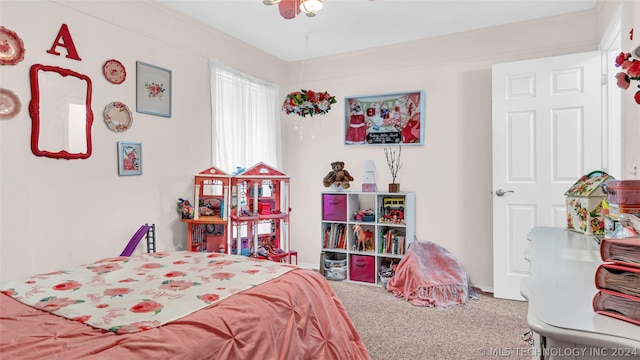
[[362, 268], [585, 213], [622, 191], [334, 207], [335, 266]]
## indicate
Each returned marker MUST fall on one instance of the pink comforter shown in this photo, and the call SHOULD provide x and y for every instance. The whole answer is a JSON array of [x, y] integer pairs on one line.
[[295, 316], [429, 275]]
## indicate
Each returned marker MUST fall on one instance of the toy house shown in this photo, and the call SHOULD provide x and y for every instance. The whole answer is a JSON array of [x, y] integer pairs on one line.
[[260, 211], [208, 229]]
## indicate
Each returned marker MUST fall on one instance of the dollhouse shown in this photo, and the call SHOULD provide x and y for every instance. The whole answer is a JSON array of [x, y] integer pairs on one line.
[[208, 228], [245, 213], [259, 213]]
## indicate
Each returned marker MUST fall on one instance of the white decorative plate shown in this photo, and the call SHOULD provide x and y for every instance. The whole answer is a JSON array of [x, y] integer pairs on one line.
[[9, 104], [117, 116]]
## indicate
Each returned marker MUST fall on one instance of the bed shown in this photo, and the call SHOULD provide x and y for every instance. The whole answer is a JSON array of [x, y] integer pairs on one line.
[[291, 313]]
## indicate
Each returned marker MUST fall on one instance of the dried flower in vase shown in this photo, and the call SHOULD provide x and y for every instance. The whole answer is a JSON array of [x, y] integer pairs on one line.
[[394, 164]]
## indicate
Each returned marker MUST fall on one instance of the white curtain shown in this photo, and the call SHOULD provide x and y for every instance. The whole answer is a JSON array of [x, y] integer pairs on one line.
[[245, 119]]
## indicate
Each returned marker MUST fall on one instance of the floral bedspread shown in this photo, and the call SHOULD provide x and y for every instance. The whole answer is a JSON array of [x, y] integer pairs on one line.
[[137, 293]]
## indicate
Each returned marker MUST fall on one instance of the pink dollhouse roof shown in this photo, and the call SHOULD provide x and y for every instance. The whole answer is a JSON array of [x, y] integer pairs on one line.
[[213, 171], [261, 169]]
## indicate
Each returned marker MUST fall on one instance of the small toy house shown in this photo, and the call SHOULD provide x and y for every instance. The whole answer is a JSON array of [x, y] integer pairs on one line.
[[585, 213], [208, 229]]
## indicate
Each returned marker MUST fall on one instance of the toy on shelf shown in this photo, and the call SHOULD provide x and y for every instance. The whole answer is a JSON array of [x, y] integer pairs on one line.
[[364, 238], [338, 178], [366, 215], [185, 209]]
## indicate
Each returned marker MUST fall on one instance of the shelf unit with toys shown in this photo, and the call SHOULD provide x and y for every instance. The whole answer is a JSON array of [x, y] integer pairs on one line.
[[364, 233]]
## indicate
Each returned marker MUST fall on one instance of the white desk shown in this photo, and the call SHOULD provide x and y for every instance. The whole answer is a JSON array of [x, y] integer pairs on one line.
[[560, 290]]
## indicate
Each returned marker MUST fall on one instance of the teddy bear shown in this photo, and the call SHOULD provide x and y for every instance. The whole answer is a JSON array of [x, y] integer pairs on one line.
[[338, 177]]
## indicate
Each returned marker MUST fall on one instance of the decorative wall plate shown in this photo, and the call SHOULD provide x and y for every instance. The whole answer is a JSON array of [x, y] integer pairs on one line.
[[117, 116], [11, 47], [9, 104], [114, 71]]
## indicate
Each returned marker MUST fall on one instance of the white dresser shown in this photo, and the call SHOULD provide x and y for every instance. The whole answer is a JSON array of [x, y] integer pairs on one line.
[[560, 289]]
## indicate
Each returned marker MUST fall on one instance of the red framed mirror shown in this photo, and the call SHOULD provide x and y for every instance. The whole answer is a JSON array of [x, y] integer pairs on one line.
[[61, 115]]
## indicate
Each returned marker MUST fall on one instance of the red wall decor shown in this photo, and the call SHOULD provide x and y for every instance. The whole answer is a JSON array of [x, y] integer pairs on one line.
[[34, 110], [67, 42]]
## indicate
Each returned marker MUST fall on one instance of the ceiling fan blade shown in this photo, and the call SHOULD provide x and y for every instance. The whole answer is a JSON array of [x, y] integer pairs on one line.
[[289, 9]]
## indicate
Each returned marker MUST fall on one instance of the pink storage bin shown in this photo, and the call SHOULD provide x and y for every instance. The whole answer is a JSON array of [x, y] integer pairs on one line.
[[622, 191], [362, 268], [334, 207]]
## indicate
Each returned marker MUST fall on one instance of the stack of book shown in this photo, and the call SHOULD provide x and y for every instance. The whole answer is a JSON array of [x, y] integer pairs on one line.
[[618, 279]]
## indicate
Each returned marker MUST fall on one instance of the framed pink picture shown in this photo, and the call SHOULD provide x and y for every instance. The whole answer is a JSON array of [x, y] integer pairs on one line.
[[387, 119], [129, 158]]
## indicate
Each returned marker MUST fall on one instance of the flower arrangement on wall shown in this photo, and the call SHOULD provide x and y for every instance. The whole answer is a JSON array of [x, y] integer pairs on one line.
[[631, 72], [307, 102], [631, 69]]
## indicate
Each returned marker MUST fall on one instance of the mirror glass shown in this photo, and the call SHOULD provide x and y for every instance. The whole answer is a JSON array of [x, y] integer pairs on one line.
[[60, 113]]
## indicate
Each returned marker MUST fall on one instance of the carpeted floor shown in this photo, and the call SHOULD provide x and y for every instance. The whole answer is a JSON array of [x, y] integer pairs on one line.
[[394, 329]]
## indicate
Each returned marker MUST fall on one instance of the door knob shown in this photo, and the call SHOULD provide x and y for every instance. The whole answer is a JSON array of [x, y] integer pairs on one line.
[[501, 192]]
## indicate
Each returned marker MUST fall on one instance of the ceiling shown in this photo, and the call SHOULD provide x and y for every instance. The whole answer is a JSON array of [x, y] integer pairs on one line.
[[350, 25]]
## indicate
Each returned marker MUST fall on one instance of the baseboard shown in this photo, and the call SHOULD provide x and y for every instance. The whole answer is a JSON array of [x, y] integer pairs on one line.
[[314, 267]]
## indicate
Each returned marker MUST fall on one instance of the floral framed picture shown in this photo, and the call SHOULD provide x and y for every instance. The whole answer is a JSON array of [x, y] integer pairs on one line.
[[153, 90], [129, 158], [387, 119]]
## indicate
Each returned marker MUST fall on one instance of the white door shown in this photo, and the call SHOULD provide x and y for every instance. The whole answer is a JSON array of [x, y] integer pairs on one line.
[[546, 134]]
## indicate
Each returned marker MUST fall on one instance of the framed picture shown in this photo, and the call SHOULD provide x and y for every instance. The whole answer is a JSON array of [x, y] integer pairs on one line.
[[386, 119], [153, 90], [129, 158]]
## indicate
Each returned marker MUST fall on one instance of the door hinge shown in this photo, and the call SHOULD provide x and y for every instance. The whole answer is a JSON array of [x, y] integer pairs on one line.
[[604, 79]]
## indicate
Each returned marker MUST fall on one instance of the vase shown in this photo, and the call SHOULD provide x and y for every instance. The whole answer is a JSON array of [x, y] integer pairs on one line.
[[394, 188]]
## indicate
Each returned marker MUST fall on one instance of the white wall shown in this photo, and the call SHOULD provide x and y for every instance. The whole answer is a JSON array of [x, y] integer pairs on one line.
[[59, 212], [451, 175], [56, 212]]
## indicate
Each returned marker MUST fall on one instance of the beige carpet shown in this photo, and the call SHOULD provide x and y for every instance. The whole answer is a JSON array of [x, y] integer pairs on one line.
[[394, 329]]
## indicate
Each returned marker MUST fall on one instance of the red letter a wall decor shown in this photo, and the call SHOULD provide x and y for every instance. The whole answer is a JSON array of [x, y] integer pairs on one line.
[[64, 39]]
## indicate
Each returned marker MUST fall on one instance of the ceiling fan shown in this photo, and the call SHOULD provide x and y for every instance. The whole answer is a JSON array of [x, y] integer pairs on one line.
[[289, 9]]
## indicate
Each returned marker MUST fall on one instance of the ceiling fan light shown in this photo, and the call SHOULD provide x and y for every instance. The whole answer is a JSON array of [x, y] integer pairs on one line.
[[310, 6]]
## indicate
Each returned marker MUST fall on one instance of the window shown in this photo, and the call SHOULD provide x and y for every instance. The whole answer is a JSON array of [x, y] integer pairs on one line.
[[245, 119]]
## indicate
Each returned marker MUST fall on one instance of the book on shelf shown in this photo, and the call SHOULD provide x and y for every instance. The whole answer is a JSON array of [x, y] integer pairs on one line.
[[335, 236], [393, 242]]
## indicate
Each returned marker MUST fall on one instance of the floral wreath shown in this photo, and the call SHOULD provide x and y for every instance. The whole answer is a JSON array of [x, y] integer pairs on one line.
[[307, 102], [631, 71]]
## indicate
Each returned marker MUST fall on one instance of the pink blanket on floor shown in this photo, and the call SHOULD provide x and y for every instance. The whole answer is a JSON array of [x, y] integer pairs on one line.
[[429, 275]]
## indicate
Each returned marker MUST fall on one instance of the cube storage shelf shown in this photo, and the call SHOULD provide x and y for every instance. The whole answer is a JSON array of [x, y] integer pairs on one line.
[[357, 244]]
